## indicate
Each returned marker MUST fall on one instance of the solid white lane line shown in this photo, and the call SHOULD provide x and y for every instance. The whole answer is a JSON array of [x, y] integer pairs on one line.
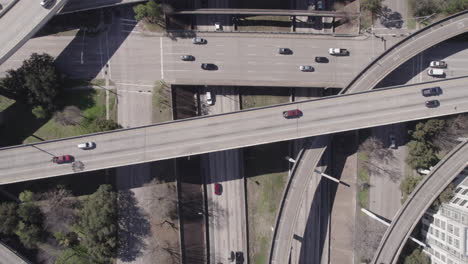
[[162, 55]]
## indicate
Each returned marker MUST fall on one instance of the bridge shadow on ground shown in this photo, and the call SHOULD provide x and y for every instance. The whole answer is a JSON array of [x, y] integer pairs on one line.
[[419, 63]]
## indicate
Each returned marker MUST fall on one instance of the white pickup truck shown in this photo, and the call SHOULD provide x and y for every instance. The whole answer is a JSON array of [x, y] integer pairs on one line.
[[338, 51]]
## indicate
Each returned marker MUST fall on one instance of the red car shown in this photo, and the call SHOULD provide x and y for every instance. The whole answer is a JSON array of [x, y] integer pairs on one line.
[[63, 159], [292, 113], [218, 189]]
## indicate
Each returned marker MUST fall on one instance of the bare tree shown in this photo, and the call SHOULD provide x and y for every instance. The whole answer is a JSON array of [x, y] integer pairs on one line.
[[70, 116], [455, 127], [58, 206], [367, 237]]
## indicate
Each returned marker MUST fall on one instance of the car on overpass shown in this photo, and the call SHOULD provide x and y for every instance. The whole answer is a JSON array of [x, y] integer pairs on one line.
[[63, 159], [306, 68], [199, 41], [338, 52], [438, 64], [285, 51], [431, 91], [87, 145], [296, 113], [432, 103]]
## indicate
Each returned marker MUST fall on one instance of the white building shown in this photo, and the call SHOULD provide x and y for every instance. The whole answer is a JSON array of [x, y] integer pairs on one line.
[[446, 230]]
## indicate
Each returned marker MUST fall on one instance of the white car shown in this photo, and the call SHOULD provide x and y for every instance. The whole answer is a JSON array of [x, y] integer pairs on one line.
[[86, 145], [338, 51], [209, 99], [306, 68], [435, 72], [46, 3], [438, 64]]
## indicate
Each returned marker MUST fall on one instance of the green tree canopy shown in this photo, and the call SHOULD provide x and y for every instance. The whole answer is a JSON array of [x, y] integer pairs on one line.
[[445, 196], [8, 218], [425, 131], [373, 6], [99, 125], [150, 11], [97, 226], [37, 82], [421, 155], [74, 255], [417, 257], [408, 185], [29, 228]]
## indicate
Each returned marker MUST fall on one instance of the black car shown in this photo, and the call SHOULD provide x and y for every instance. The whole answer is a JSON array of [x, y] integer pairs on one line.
[[284, 51], [431, 91], [187, 57], [239, 257], [209, 66], [432, 103], [321, 59]]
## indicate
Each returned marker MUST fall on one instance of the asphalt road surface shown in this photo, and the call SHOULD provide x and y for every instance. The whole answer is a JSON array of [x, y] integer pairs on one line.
[[226, 212], [234, 130], [422, 197]]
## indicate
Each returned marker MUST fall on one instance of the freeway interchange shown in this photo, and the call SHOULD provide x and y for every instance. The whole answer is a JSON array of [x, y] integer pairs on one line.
[[243, 63]]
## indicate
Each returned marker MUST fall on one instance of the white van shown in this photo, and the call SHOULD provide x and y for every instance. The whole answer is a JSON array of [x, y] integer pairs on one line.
[[435, 72], [209, 99]]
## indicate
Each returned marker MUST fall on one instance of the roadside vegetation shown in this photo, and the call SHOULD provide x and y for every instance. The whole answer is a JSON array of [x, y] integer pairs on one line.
[[266, 172], [49, 106], [417, 257], [81, 229], [162, 102], [430, 141], [151, 14], [252, 97], [430, 7]]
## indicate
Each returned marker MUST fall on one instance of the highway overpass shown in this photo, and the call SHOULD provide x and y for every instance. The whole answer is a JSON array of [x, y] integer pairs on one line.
[[9, 256], [261, 12], [232, 130], [21, 22], [407, 48], [83, 5], [418, 202]]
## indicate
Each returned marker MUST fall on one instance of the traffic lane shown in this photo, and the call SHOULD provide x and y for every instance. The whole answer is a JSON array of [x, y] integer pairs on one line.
[[249, 127], [399, 55], [407, 217]]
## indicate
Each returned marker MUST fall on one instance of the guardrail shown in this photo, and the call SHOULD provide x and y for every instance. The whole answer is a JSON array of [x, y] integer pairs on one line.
[[414, 195], [385, 53], [333, 34], [8, 7]]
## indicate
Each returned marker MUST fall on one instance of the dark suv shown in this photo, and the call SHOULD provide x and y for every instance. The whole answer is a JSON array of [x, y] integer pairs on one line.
[[431, 91], [239, 257], [209, 66], [432, 103], [285, 51]]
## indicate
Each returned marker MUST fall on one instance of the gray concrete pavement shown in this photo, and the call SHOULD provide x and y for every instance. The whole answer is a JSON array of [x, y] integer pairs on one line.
[[21, 22], [82, 5], [403, 51], [226, 212], [418, 202], [8, 256], [234, 130], [242, 61]]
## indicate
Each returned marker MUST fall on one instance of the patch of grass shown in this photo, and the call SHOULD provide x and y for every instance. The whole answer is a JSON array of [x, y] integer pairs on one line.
[[98, 82], [162, 104], [258, 97], [92, 103], [366, 20], [5, 103], [266, 174], [363, 180], [154, 27]]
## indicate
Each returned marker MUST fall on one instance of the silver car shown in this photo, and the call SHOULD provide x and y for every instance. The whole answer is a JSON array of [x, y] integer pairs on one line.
[[306, 68], [199, 41], [86, 145]]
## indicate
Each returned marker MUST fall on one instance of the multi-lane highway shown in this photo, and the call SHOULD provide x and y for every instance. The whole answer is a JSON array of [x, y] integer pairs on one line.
[[408, 48], [418, 202], [245, 59], [226, 212], [233, 130], [21, 22]]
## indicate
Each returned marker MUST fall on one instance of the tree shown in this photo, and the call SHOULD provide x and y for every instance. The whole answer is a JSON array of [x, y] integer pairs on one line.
[[373, 6], [445, 196], [74, 255], [421, 155], [36, 83], [97, 225], [425, 7], [425, 131], [8, 218], [26, 196], [100, 125], [417, 257], [150, 11], [29, 229], [29, 234], [408, 185], [455, 6]]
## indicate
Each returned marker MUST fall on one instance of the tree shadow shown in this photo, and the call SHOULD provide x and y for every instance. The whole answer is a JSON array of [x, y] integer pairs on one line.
[[133, 227]]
